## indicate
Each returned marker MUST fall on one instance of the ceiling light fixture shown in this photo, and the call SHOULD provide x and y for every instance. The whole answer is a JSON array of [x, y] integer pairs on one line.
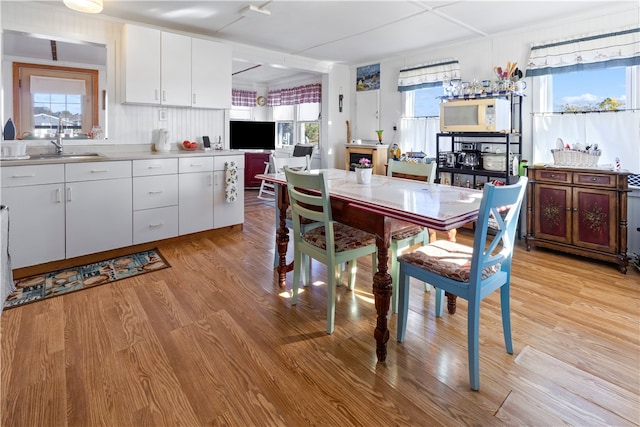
[[86, 6], [253, 10]]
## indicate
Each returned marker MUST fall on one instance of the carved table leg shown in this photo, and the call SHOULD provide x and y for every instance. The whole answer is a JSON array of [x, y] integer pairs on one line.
[[451, 302], [282, 234], [382, 293]]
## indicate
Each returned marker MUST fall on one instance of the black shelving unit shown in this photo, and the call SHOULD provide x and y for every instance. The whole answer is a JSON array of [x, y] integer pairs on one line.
[[510, 144]]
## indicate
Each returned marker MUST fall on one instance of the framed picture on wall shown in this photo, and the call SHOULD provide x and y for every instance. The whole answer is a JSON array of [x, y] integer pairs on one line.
[[368, 77]]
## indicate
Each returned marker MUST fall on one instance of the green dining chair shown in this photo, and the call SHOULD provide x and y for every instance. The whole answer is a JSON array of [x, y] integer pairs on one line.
[[332, 244], [277, 164], [472, 273], [410, 236]]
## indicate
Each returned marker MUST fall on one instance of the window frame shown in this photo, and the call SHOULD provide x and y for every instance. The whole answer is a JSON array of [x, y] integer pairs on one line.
[[21, 92]]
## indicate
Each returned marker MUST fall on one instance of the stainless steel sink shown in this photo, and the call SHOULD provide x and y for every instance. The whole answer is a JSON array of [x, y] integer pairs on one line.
[[43, 156]]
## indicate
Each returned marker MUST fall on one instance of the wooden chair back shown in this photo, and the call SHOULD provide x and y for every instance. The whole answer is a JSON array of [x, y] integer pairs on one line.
[[409, 170]]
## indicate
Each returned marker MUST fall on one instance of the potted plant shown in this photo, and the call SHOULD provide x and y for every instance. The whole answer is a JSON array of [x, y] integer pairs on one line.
[[364, 169]]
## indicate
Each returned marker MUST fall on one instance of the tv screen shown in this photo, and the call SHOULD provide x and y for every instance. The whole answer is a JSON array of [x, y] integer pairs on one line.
[[245, 135]]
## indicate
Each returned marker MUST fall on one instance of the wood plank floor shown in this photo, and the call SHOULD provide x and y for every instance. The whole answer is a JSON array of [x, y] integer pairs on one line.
[[213, 341]]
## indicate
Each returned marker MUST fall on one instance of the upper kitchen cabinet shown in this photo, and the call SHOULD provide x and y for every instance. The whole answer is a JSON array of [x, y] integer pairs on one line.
[[162, 68], [156, 67], [210, 74]]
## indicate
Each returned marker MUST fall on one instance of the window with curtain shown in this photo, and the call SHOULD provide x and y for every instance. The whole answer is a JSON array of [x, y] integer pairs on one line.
[[50, 97], [420, 87], [297, 112], [242, 103], [597, 76]]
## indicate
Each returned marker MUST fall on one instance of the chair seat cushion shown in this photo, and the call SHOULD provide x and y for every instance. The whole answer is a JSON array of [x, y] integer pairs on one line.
[[448, 259], [346, 238], [405, 233]]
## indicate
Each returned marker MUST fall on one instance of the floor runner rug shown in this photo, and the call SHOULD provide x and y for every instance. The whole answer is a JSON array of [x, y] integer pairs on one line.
[[60, 282]]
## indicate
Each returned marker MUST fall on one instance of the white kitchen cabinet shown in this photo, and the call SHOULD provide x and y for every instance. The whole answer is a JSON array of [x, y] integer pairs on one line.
[[210, 74], [175, 70], [98, 207], [140, 65], [35, 197], [195, 189], [156, 67], [155, 199], [227, 213]]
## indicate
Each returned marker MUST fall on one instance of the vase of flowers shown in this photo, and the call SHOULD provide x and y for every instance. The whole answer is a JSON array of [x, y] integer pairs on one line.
[[364, 170]]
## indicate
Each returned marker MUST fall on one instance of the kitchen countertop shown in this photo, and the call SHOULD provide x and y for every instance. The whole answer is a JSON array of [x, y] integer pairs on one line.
[[110, 154]]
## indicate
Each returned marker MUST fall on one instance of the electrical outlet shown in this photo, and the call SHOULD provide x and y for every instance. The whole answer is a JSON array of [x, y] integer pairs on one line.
[[162, 115], [395, 128]]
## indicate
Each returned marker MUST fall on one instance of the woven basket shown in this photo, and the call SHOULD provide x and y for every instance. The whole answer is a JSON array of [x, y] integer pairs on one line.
[[566, 157]]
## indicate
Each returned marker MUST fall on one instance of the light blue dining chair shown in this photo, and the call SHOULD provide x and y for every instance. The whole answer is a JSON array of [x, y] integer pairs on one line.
[[332, 244], [405, 238], [472, 273]]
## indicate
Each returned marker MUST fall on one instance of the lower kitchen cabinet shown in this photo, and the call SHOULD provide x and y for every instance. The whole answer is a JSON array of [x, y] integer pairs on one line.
[[60, 211], [35, 197], [98, 207], [155, 200], [195, 190], [580, 211]]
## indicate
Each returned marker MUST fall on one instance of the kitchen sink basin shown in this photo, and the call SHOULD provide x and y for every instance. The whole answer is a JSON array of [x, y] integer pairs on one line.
[[43, 156]]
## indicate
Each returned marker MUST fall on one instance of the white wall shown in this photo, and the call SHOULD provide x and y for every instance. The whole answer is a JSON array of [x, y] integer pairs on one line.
[[478, 58]]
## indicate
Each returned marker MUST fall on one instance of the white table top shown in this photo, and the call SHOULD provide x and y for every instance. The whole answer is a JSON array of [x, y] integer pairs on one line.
[[432, 205]]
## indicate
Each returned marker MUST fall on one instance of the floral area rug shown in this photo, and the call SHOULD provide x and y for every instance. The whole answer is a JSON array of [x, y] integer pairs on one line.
[[60, 282]]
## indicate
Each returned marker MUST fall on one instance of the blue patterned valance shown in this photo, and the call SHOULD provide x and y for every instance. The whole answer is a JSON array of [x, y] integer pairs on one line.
[[428, 75], [616, 49]]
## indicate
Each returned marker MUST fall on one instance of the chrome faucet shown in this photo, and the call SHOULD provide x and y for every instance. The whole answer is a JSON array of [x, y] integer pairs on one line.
[[58, 141]]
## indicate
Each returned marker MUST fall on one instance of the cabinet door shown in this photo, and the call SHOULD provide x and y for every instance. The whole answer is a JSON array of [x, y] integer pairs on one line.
[[175, 71], [37, 228], [141, 65], [195, 202], [225, 213], [552, 213], [99, 216], [595, 222], [254, 164], [210, 74]]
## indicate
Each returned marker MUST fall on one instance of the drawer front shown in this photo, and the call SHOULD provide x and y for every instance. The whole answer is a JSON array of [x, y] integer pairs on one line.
[[595, 179], [554, 176], [92, 171], [18, 176], [155, 224], [155, 191], [195, 164], [155, 167], [219, 162]]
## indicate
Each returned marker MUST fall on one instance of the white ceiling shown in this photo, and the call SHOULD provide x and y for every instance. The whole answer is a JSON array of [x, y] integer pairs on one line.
[[349, 32]]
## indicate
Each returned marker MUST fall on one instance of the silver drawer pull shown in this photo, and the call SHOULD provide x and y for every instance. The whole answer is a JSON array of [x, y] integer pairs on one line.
[[156, 191], [99, 170], [196, 164], [594, 179], [154, 166], [23, 176], [157, 224]]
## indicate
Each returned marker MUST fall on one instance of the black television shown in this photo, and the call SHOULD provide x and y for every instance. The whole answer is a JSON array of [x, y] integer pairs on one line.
[[249, 135]]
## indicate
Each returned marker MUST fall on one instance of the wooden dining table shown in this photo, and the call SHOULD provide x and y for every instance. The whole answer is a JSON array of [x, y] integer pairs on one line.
[[382, 207]]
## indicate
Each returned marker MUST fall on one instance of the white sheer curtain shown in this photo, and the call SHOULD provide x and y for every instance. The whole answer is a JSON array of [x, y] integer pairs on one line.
[[617, 135], [419, 134]]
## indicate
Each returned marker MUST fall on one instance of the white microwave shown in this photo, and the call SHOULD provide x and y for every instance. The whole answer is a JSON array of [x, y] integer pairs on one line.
[[476, 115]]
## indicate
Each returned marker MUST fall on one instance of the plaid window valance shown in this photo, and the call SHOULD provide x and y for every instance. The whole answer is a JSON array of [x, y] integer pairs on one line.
[[243, 98], [311, 93]]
